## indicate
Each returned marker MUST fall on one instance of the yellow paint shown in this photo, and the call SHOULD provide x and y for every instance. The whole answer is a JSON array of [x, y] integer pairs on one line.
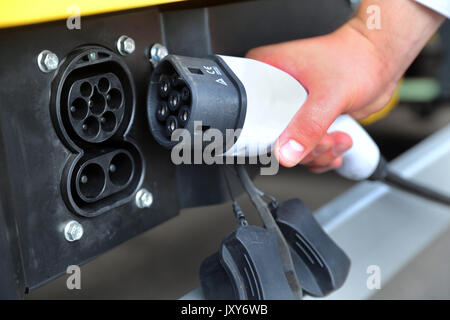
[[386, 110], [23, 12]]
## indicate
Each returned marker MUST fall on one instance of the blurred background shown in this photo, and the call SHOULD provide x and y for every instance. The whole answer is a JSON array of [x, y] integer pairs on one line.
[[163, 263]]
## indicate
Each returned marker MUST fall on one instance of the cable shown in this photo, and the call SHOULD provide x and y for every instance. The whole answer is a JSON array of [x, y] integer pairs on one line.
[[273, 204], [239, 214], [385, 175], [397, 181], [271, 225]]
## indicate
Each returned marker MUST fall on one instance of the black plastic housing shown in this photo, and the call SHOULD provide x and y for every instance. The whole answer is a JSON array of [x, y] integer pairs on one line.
[[247, 267], [321, 265], [194, 89], [93, 101], [96, 107]]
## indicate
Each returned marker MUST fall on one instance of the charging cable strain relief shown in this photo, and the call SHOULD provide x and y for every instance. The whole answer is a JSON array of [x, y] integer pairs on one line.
[[381, 171]]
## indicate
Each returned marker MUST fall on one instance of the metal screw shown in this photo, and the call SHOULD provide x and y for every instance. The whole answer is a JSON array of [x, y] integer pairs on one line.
[[47, 61], [73, 231], [125, 45], [144, 198], [157, 53]]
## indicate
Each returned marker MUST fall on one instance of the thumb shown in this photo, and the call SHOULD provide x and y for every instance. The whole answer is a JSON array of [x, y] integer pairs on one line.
[[306, 128]]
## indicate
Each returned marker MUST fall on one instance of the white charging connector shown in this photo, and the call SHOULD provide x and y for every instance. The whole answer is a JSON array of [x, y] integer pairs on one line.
[[273, 98]]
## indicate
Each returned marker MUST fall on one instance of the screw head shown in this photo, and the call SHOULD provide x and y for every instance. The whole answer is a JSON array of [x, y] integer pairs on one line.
[[125, 45], [157, 53], [73, 231], [47, 61], [144, 199]]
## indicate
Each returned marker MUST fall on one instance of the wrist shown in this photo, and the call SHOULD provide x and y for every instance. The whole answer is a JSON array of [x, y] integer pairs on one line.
[[402, 30], [376, 44]]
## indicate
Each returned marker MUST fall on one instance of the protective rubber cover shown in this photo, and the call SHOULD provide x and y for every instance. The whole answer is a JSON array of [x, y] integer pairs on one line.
[[321, 265], [247, 267]]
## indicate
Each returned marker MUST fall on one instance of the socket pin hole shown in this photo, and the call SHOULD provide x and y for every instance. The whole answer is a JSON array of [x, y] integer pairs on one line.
[[174, 100], [114, 98], [164, 86], [79, 109], [171, 125], [183, 115], [185, 93], [92, 180], [97, 103], [162, 112], [120, 169], [86, 89], [108, 121], [91, 127], [103, 85]]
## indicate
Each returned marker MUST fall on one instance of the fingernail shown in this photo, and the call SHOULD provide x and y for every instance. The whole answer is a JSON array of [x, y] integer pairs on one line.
[[340, 149], [291, 152]]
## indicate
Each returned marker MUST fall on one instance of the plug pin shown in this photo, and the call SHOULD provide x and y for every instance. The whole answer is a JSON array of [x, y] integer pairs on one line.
[[162, 112], [183, 115], [174, 100], [164, 86], [171, 125]]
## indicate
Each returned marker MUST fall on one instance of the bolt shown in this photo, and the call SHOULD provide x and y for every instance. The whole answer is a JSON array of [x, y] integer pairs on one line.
[[157, 53], [73, 231], [47, 61], [144, 198], [125, 45]]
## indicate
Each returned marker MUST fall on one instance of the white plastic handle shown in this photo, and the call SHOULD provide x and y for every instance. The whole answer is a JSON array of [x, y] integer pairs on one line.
[[269, 90], [361, 161]]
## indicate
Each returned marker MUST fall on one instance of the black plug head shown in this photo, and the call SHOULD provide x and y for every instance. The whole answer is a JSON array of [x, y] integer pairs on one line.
[[208, 88]]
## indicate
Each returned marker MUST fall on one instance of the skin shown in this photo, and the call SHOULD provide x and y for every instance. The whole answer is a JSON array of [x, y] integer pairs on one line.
[[353, 70]]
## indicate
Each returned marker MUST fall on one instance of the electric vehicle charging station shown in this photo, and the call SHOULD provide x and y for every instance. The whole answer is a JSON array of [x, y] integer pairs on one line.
[[86, 150]]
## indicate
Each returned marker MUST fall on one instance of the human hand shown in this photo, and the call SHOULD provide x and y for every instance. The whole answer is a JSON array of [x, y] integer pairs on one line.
[[349, 71]]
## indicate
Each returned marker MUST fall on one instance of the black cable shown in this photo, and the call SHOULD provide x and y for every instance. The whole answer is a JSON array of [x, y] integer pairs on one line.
[[383, 174], [239, 214], [273, 204], [271, 225], [397, 181]]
